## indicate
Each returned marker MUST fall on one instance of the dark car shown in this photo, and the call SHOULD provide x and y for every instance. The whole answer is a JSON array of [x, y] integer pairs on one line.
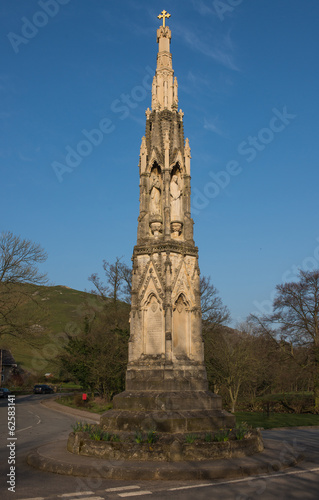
[[4, 393], [42, 389]]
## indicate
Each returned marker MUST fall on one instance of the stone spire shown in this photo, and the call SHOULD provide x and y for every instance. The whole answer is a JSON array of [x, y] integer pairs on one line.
[[165, 158], [164, 90]]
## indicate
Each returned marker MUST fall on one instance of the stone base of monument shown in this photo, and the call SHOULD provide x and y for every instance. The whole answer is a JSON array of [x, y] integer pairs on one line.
[[167, 426], [167, 412]]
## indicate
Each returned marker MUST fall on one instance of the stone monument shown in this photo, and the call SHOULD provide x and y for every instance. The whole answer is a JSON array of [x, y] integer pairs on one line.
[[166, 382]]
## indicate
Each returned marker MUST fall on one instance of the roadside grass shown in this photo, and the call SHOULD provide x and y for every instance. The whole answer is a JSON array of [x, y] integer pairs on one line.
[[276, 419], [68, 386], [96, 405]]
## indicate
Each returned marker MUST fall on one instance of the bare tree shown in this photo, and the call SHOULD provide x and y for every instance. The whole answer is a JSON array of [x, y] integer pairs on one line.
[[118, 278], [295, 321], [19, 259], [229, 361], [213, 310]]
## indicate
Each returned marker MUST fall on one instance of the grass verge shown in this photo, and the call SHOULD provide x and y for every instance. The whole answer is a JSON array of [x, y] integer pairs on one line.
[[96, 405], [276, 419]]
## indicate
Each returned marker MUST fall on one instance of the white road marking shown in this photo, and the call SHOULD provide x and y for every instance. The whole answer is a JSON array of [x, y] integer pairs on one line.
[[76, 494], [245, 479], [30, 426], [123, 488], [39, 421], [24, 429], [192, 486], [134, 493]]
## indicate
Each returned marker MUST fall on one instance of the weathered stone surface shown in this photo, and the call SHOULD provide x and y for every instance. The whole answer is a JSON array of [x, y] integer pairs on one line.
[[53, 457], [178, 421], [148, 375], [160, 400], [173, 449]]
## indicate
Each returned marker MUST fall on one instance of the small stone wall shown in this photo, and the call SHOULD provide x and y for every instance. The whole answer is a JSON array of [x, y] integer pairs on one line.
[[172, 449]]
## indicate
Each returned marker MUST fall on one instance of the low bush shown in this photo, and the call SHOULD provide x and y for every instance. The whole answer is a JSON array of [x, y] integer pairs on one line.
[[82, 427], [222, 435]]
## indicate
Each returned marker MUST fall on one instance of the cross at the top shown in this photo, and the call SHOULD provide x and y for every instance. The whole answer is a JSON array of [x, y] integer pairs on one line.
[[164, 15]]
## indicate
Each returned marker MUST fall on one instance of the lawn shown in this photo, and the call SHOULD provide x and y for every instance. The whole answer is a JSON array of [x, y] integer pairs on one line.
[[276, 419]]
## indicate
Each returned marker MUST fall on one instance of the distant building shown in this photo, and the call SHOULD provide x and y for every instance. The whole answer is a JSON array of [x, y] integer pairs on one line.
[[7, 365]]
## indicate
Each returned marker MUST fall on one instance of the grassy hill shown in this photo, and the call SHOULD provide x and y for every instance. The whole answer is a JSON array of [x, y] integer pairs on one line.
[[62, 310]]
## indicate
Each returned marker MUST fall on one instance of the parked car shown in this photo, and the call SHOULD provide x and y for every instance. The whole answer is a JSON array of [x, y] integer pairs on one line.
[[4, 393], [42, 389]]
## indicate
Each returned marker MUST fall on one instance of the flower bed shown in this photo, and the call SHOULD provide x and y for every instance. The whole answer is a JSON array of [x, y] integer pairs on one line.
[[93, 441]]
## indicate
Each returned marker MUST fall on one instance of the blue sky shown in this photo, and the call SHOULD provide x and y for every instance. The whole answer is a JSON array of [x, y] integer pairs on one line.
[[248, 85]]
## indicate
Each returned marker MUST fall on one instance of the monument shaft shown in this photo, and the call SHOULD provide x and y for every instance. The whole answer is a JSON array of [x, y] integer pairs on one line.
[[166, 346]]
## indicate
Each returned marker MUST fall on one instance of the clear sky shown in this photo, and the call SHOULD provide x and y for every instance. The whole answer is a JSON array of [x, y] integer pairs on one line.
[[248, 85]]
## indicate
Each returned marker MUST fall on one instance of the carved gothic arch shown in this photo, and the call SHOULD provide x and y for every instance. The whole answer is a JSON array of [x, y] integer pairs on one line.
[[154, 160], [184, 287], [181, 298], [149, 298], [151, 282], [178, 162]]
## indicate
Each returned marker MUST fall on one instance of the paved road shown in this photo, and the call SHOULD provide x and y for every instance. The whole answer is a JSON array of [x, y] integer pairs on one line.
[[37, 425]]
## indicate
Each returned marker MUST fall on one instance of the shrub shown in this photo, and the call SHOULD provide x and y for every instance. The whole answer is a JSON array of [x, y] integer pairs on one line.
[[190, 438], [138, 437], [285, 402], [97, 434], [222, 435], [81, 426], [241, 431], [151, 437]]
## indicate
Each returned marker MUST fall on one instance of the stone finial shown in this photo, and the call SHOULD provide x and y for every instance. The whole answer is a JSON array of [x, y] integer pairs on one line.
[[143, 154], [143, 146], [187, 152], [148, 113], [187, 148]]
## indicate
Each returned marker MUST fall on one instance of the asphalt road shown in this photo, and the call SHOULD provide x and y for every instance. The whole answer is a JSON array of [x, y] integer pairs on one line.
[[37, 425]]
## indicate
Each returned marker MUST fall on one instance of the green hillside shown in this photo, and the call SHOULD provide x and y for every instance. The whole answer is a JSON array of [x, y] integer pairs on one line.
[[62, 310]]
